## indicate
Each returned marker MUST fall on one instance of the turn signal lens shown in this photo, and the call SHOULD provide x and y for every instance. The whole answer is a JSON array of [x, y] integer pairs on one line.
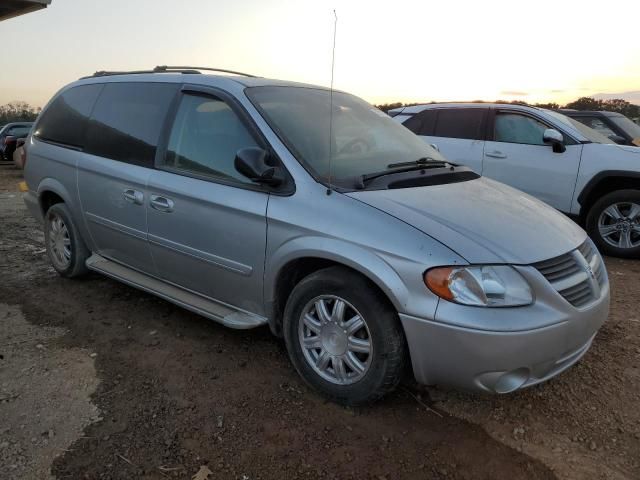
[[437, 279]]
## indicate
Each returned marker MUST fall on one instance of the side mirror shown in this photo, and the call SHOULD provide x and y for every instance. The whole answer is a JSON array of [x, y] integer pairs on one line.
[[20, 142], [618, 139], [554, 138], [253, 163], [434, 146]]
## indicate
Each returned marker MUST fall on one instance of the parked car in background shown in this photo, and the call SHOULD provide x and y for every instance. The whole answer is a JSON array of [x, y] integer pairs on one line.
[[612, 125], [546, 154], [9, 135], [19, 156], [216, 193]]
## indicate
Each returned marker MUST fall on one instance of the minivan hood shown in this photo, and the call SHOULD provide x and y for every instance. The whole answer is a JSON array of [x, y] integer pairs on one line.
[[482, 220]]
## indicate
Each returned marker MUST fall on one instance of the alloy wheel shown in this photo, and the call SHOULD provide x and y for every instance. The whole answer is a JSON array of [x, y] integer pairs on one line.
[[619, 225], [59, 242], [335, 340]]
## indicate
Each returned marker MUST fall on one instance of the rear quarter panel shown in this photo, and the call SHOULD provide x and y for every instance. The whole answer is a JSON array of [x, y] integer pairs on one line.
[[52, 168]]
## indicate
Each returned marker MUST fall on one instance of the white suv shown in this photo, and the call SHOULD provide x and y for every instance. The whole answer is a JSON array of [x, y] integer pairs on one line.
[[546, 154]]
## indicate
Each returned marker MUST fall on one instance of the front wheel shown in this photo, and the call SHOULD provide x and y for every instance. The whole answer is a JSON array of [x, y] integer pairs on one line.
[[613, 222], [343, 339]]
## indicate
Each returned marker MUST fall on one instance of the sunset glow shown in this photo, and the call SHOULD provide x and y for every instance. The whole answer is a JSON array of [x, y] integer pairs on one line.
[[386, 51]]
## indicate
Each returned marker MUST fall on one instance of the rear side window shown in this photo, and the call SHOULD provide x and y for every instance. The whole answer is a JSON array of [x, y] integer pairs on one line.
[[460, 123], [127, 119], [65, 120], [422, 123]]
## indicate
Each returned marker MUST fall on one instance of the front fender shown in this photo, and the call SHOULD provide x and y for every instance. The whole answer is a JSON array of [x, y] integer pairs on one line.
[[373, 265]]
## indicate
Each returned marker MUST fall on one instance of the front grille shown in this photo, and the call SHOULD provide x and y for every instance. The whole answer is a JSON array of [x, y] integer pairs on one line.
[[578, 275]]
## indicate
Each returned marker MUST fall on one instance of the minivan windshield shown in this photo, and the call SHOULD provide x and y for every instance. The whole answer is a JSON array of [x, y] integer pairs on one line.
[[360, 140], [587, 132]]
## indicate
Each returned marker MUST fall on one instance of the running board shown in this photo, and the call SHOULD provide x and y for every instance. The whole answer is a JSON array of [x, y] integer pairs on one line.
[[220, 313]]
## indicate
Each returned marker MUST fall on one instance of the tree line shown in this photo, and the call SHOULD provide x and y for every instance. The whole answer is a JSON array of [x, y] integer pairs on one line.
[[23, 112], [584, 103], [18, 112]]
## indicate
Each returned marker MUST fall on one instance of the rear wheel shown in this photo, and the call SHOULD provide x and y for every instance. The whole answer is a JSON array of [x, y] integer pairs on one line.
[[65, 247], [614, 223], [343, 339]]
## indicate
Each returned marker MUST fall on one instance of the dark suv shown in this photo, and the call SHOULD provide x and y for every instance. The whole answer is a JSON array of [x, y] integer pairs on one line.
[[9, 135], [614, 125]]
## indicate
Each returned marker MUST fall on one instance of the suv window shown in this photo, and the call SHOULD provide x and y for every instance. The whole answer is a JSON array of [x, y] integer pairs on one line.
[[65, 120], [19, 131], [598, 124], [460, 123], [422, 123], [205, 138], [517, 128], [127, 119]]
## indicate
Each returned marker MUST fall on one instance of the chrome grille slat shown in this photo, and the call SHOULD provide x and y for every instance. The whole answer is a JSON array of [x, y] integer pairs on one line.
[[555, 276], [559, 267], [575, 297], [555, 262], [581, 287], [569, 274]]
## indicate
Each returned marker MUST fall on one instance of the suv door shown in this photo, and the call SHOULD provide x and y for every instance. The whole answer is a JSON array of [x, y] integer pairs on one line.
[[207, 222], [457, 132], [517, 155], [121, 142]]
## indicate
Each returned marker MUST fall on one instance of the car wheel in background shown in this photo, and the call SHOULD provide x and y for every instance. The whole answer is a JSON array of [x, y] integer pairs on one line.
[[613, 222], [343, 339], [65, 247]]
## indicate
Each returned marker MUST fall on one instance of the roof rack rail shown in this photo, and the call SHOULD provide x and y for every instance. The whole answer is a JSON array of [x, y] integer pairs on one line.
[[165, 69]]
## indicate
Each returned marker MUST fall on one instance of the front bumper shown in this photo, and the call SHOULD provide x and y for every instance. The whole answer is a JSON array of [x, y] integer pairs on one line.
[[457, 349]]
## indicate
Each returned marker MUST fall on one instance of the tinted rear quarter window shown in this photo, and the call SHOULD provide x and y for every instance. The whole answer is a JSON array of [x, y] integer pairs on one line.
[[127, 120], [65, 120], [460, 123], [422, 123]]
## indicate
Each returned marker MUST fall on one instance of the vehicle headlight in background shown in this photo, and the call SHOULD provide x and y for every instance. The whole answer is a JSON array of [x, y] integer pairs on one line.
[[480, 286]]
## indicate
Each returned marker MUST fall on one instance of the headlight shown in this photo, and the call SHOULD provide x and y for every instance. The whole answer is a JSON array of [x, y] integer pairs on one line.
[[480, 286]]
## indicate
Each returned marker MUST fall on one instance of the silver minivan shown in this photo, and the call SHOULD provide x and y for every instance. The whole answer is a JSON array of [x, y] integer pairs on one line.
[[261, 202]]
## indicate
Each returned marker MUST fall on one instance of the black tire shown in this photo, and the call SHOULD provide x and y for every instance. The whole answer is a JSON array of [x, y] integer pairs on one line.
[[79, 252], [386, 335], [613, 198]]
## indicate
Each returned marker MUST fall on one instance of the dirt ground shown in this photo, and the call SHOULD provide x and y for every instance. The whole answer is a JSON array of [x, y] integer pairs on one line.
[[101, 381]]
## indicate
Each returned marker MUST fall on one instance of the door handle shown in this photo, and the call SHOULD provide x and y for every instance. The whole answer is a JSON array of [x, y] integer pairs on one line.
[[495, 154], [161, 203], [133, 196]]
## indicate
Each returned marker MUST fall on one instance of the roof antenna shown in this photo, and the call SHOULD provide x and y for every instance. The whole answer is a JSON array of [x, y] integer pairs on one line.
[[333, 61]]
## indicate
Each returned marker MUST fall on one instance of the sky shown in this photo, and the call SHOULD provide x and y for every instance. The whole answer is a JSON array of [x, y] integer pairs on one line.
[[386, 51]]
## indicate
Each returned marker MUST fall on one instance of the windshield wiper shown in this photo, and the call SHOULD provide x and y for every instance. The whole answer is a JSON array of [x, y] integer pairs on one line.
[[420, 161], [401, 167]]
